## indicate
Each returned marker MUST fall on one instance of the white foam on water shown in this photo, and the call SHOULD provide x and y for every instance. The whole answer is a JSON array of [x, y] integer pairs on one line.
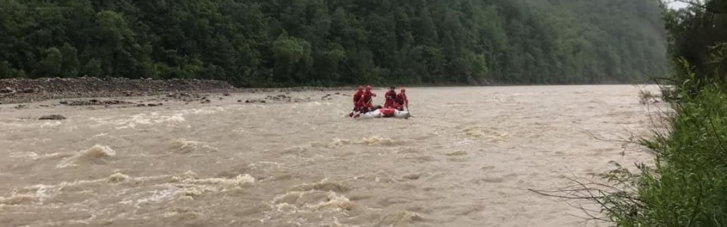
[[191, 178], [184, 146], [31, 155], [95, 154], [51, 124], [153, 118]]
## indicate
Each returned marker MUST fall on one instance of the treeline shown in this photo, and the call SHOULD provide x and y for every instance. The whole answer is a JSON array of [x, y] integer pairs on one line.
[[333, 42], [687, 186]]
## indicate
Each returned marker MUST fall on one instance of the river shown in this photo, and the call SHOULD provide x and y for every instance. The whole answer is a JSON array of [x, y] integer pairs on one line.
[[467, 157]]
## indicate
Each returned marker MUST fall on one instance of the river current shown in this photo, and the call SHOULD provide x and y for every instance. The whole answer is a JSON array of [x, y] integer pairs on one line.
[[467, 157]]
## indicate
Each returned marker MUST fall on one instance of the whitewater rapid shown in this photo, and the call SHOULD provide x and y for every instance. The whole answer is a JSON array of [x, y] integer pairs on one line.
[[468, 157]]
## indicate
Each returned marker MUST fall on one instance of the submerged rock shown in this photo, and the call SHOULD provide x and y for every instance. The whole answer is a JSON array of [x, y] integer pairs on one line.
[[52, 117]]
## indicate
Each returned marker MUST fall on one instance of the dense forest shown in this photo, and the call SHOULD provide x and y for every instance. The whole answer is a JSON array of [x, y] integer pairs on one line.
[[336, 42]]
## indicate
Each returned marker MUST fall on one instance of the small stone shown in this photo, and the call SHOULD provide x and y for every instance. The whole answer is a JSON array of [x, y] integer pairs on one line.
[[226, 94], [239, 100], [7, 90], [29, 90], [64, 102], [52, 117], [140, 105]]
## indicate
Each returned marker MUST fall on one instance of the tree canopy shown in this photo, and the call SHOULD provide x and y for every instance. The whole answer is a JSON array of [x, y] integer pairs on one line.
[[336, 42]]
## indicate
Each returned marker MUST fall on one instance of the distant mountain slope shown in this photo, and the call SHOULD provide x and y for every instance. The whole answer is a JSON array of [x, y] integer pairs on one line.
[[330, 42]]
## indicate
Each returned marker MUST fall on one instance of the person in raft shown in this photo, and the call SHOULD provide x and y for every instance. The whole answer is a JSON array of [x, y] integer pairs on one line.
[[357, 100], [401, 100], [390, 98], [366, 99]]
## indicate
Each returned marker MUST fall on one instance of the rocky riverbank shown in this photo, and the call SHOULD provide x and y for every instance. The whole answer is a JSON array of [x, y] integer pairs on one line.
[[34, 90]]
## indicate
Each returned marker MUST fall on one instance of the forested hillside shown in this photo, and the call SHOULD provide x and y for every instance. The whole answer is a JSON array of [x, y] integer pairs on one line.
[[334, 42]]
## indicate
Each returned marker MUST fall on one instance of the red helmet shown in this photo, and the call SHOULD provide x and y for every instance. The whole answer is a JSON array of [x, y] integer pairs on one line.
[[360, 88], [368, 87]]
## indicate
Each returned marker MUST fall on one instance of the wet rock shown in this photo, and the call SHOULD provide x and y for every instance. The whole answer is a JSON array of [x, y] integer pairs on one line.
[[52, 117], [326, 97], [280, 97], [255, 101], [94, 102]]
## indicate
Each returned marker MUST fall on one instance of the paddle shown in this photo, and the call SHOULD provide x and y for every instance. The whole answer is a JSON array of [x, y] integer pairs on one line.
[[407, 110]]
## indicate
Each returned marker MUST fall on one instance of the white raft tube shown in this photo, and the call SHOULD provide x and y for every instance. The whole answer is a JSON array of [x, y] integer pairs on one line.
[[377, 114]]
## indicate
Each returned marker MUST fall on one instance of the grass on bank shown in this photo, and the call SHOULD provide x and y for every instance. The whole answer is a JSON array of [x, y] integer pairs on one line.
[[686, 185]]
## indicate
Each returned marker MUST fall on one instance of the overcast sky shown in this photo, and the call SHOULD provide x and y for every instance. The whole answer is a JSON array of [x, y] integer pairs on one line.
[[677, 5]]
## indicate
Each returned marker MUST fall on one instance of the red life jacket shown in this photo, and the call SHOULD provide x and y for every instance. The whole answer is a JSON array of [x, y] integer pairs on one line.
[[357, 97], [388, 112], [401, 99], [390, 99], [366, 97]]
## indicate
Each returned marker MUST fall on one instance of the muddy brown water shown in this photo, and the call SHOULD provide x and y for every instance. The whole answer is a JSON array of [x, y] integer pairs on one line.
[[466, 158]]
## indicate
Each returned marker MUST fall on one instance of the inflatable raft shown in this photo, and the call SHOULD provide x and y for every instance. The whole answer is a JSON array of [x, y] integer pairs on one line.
[[383, 113]]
